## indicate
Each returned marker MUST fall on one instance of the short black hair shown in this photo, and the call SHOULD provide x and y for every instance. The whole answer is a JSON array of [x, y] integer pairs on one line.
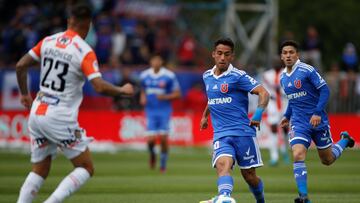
[[225, 41], [81, 11], [292, 43]]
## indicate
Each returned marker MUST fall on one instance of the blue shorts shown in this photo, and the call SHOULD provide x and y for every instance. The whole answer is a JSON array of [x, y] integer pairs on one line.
[[300, 135], [158, 124], [244, 150]]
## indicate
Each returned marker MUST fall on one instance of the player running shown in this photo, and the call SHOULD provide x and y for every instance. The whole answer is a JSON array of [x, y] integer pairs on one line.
[[308, 94], [65, 59], [227, 90]]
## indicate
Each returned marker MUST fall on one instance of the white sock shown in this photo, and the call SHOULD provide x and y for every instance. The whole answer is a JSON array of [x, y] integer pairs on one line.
[[283, 147], [69, 185], [30, 188], [274, 154]]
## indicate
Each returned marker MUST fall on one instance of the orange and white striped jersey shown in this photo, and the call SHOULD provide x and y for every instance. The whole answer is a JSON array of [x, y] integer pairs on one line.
[[278, 102], [65, 59]]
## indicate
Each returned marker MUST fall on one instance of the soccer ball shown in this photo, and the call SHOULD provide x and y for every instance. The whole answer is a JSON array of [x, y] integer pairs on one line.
[[224, 199]]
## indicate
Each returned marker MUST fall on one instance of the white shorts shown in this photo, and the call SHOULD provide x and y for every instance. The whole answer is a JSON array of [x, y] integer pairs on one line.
[[273, 114], [47, 134]]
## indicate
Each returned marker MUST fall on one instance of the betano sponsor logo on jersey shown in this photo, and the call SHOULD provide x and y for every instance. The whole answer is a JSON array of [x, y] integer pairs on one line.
[[297, 95], [221, 100], [154, 90]]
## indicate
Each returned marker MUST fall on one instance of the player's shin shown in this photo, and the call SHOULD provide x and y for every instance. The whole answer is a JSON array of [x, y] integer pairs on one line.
[[69, 185], [258, 192], [151, 148], [163, 161], [274, 154], [30, 188]]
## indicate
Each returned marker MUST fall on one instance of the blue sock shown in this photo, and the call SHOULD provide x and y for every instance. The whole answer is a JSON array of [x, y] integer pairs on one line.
[[338, 148], [258, 192], [300, 174], [225, 185], [163, 160]]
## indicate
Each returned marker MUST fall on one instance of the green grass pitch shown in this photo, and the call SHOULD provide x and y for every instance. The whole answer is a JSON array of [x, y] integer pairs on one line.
[[125, 177]]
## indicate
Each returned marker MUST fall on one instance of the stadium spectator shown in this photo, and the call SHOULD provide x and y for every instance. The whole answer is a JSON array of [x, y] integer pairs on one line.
[[137, 45], [334, 79], [163, 42], [104, 37], [312, 47], [118, 44], [53, 117], [349, 58], [186, 49], [308, 94], [227, 90], [349, 65], [195, 99]]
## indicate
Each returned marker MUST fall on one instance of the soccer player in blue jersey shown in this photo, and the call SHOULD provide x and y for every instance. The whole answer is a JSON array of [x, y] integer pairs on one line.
[[227, 90], [159, 87], [308, 94]]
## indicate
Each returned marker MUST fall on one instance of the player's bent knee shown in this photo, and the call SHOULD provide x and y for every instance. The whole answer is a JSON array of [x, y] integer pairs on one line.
[[250, 177], [327, 161], [223, 168], [41, 172], [298, 156]]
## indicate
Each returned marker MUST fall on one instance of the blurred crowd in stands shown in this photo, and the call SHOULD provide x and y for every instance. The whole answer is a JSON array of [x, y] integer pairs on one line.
[[124, 41]]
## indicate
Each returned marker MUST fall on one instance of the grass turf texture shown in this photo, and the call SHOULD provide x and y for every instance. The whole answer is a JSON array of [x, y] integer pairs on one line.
[[125, 177]]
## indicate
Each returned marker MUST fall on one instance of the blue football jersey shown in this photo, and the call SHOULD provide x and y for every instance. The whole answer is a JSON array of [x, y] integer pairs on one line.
[[228, 102], [301, 88], [153, 84]]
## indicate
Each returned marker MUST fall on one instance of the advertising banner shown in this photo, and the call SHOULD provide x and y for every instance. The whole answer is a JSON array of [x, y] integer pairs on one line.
[[129, 128]]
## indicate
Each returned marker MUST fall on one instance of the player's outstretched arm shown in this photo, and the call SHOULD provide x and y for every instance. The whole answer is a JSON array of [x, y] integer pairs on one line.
[[205, 118], [103, 87], [142, 98], [21, 74], [263, 101], [284, 123]]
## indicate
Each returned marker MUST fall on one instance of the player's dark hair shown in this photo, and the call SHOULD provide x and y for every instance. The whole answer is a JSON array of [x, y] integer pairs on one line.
[[225, 41], [81, 11], [157, 54], [289, 43]]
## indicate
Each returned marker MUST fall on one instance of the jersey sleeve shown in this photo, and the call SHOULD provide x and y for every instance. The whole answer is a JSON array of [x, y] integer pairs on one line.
[[90, 67], [35, 52], [247, 83], [142, 79], [316, 79], [174, 84]]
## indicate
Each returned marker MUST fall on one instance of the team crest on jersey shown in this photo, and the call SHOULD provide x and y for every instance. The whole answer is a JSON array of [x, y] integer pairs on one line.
[[224, 88], [63, 41], [297, 84], [162, 83]]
